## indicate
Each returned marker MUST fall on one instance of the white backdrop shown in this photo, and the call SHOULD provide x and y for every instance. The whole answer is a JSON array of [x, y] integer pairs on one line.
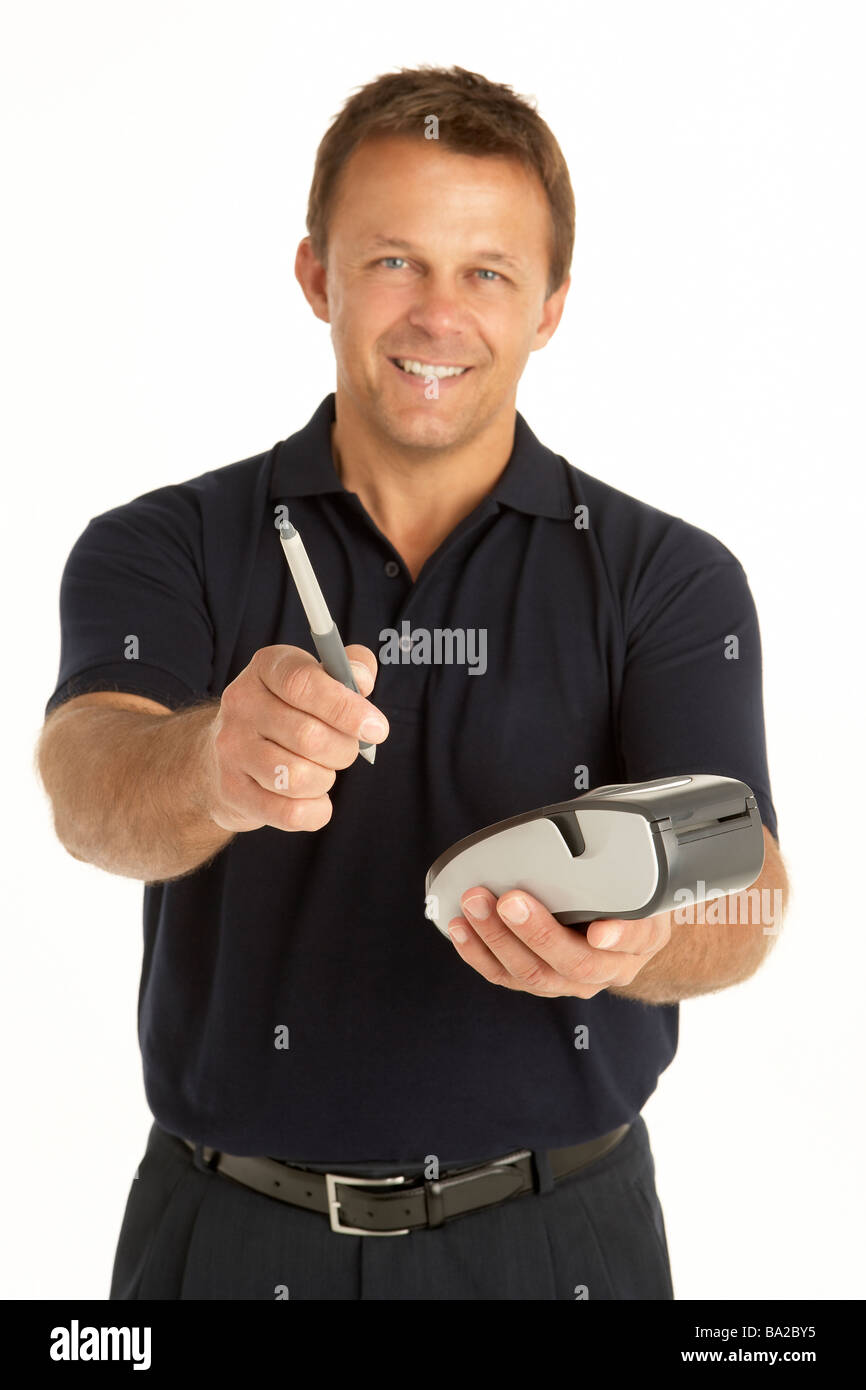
[[156, 159]]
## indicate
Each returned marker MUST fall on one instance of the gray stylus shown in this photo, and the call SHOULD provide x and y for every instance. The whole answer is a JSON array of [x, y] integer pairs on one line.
[[323, 629]]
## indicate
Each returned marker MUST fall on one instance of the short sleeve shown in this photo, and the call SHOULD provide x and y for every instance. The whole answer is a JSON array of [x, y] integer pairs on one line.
[[692, 698], [133, 610]]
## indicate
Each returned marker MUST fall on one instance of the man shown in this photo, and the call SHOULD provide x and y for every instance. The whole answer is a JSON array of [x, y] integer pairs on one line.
[[321, 1065]]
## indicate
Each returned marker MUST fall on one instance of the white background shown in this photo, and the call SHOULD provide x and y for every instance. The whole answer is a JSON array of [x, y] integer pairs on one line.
[[156, 160]]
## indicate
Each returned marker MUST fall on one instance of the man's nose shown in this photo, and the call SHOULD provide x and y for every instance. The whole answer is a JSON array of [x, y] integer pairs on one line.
[[438, 310]]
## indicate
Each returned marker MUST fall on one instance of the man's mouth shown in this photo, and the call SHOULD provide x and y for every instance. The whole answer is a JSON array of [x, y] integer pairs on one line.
[[443, 371]]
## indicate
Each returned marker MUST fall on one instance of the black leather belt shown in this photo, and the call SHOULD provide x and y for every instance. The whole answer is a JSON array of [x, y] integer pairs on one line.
[[394, 1206]]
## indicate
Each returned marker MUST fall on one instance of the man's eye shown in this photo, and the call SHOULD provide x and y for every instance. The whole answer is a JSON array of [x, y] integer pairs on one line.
[[483, 271]]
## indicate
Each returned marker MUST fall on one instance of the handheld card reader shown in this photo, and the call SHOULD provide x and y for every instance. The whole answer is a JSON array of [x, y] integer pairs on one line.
[[616, 851]]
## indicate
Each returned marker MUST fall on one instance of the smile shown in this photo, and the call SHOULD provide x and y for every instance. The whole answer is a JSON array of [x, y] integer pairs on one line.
[[425, 369]]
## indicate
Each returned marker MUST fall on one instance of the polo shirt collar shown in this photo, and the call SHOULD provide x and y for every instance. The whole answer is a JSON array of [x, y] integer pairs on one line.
[[533, 480]]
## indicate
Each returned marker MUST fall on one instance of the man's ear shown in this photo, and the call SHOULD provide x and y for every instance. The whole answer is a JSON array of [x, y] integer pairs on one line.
[[312, 278], [550, 315]]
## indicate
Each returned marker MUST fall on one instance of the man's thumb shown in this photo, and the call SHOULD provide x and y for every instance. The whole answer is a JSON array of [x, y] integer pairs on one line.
[[362, 676]]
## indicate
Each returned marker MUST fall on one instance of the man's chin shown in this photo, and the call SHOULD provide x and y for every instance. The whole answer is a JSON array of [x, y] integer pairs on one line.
[[422, 427]]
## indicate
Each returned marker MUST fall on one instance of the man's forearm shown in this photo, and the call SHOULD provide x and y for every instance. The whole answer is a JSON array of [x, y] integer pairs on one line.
[[129, 789], [722, 944]]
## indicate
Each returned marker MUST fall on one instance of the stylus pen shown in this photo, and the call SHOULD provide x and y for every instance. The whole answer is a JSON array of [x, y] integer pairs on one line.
[[323, 629]]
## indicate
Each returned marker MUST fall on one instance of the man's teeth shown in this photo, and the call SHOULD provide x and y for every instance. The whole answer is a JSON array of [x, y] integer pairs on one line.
[[425, 369]]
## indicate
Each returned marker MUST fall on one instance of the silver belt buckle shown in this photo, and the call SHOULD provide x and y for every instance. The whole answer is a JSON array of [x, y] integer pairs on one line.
[[331, 1180]]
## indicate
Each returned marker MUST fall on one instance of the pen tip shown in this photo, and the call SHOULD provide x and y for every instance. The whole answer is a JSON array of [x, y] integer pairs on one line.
[[287, 530], [369, 753]]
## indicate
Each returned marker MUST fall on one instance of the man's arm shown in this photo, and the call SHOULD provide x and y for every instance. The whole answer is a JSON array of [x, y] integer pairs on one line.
[[725, 948], [127, 783]]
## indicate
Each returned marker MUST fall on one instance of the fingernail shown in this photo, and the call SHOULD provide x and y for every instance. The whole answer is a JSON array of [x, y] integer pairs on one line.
[[457, 934], [373, 729], [514, 911], [609, 937], [477, 907], [359, 670]]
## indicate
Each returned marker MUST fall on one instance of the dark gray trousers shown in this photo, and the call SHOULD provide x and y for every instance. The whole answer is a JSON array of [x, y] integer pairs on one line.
[[189, 1233]]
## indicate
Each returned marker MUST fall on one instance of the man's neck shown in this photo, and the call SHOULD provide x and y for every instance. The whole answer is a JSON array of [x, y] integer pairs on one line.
[[417, 501]]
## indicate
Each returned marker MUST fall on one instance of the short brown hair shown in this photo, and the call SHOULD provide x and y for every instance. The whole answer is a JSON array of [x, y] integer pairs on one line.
[[474, 116]]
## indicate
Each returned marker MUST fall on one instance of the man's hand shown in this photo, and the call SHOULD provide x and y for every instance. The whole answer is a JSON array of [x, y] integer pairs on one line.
[[283, 731], [541, 956]]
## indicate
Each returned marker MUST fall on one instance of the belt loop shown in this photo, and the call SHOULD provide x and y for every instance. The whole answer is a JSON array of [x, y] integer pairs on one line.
[[543, 1171], [435, 1206], [205, 1165]]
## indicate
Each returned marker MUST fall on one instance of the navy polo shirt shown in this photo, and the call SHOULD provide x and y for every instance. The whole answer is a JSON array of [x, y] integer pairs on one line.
[[596, 633]]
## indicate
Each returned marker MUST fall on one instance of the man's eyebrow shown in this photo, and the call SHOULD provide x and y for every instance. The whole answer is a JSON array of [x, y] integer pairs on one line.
[[500, 257]]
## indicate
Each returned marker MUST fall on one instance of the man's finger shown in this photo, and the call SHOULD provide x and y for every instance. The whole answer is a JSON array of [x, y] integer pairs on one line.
[[364, 666], [640, 936], [538, 949]]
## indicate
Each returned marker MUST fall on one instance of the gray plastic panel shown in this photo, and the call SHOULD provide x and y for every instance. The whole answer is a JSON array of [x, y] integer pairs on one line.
[[617, 870]]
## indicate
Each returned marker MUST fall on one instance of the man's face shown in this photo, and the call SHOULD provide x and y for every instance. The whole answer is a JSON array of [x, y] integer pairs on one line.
[[416, 272]]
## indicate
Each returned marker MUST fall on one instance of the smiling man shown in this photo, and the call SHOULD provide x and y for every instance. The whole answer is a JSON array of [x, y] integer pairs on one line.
[[322, 1066]]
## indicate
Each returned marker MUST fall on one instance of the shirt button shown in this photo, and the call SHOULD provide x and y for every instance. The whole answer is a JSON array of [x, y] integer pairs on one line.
[[391, 568]]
